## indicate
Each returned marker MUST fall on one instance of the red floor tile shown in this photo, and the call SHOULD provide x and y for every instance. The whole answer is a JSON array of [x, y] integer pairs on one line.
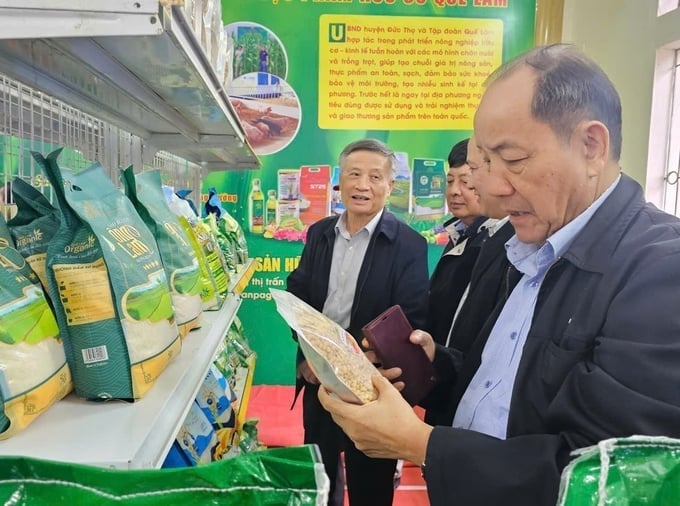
[[280, 426]]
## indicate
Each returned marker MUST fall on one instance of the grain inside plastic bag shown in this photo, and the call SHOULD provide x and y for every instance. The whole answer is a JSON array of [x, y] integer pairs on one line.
[[332, 352]]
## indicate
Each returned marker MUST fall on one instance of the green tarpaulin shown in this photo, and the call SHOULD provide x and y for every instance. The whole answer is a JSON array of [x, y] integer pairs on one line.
[[285, 476], [634, 471]]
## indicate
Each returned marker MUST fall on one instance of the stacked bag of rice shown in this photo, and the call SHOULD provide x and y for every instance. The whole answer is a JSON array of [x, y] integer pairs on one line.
[[33, 370], [179, 259], [108, 287]]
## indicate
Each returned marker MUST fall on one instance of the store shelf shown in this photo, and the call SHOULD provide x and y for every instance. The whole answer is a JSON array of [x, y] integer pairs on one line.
[[124, 435], [240, 281], [135, 64]]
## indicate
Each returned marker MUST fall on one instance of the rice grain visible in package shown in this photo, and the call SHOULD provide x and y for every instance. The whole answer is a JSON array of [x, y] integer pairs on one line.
[[331, 351], [33, 369], [111, 294]]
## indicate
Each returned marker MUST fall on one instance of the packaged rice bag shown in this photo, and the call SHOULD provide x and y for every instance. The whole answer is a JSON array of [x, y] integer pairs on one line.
[[24, 269], [226, 247], [214, 398], [196, 437], [33, 369], [179, 259], [113, 305], [34, 225], [228, 227], [184, 195], [176, 457], [248, 440], [237, 342], [211, 298], [225, 364], [208, 242], [331, 351]]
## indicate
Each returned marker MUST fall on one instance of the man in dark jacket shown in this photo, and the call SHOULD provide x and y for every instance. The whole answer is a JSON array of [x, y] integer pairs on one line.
[[352, 268], [586, 346], [466, 230]]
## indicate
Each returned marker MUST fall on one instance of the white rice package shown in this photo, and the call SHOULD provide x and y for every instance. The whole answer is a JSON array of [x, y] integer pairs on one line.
[[33, 369]]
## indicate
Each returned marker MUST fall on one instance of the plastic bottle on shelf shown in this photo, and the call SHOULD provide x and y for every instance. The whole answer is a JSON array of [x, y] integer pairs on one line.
[[270, 209], [256, 208]]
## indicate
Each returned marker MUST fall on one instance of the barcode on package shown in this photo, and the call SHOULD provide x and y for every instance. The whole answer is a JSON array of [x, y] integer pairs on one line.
[[95, 354]]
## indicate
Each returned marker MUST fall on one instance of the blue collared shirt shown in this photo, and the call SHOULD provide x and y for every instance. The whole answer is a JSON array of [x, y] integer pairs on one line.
[[485, 405]]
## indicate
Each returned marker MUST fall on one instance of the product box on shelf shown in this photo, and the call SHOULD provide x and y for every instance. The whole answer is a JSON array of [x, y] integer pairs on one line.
[[315, 193], [289, 185], [429, 186], [400, 196]]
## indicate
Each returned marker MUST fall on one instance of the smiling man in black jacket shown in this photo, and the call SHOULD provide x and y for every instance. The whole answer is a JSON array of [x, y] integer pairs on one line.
[[352, 268]]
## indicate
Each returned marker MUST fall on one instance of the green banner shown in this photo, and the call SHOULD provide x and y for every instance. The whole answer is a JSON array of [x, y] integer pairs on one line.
[[310, 76]]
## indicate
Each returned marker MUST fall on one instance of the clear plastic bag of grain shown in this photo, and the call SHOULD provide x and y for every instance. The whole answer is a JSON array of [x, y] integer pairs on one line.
[[331, 351]]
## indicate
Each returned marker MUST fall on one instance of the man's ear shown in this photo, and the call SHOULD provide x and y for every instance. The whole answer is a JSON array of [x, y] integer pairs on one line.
[[594, 137]]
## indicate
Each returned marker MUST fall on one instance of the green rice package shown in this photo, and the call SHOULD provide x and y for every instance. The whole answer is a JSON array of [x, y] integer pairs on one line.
[[34, 225], [33, 370], [228, 227], [231, 228], [213, 254], [223, 242], [211, 297], [113, 305], [179, 260]]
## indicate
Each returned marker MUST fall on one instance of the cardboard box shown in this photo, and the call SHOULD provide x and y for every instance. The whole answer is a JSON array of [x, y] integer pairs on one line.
[[400, 197], [315, 193], [289, 185], [429, 187]]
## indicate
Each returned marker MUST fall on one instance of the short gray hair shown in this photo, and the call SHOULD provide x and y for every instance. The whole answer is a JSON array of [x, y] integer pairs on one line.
[[373, 145], [569, 88]]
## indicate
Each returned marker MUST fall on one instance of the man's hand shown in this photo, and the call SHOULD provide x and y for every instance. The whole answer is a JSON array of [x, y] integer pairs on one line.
[[306, 372], [422, 338], [372, 426]]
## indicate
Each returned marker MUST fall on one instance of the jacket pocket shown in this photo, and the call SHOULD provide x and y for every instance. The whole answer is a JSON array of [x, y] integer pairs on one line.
[[559, 359]]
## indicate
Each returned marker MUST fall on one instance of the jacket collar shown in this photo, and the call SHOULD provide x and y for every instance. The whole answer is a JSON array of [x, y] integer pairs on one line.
[[593, 248]]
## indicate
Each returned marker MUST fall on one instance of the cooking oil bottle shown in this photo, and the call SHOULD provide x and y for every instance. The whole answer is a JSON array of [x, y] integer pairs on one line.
[[270, 209], [256, 208]]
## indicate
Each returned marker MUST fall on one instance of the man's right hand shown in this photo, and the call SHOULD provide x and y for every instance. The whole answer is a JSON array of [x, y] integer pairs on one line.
[[303, 370]]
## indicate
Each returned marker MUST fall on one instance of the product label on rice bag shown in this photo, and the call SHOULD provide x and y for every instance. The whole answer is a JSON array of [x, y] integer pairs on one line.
[[332, 352], [114, 306]]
